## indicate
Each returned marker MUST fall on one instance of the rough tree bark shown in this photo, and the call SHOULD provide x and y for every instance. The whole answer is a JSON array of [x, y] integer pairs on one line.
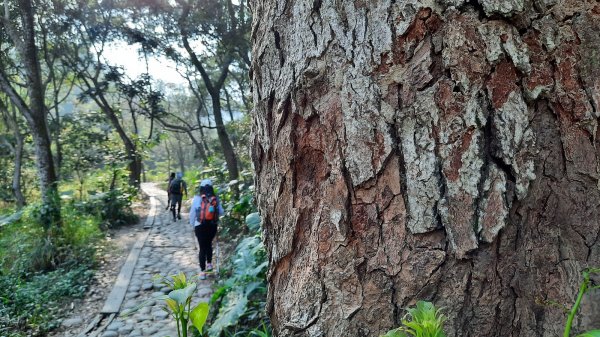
[[441, 150], [33, 106]]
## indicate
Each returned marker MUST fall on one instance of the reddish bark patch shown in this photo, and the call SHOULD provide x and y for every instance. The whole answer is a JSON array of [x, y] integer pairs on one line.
[[383, 67], [425, 22], [379, 154], [541, 70], [433, 23], [447, 100], [452, 173], [310, 166], [567, 74], [502, 83], [571, 95]]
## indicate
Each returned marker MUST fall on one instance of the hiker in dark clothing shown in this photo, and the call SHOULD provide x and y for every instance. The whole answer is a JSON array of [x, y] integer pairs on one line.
[[176, 189], [171, 177], [204, 217]]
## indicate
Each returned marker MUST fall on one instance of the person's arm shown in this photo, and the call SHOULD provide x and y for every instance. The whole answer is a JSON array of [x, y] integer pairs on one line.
[[185, 188], [221, 210], [193, 211]]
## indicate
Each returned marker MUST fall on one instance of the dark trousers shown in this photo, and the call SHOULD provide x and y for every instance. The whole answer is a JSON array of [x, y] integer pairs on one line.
[[176, 202], [205, 235]]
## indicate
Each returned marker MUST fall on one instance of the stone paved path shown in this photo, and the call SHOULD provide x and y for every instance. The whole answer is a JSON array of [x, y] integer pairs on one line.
[[169, 249]]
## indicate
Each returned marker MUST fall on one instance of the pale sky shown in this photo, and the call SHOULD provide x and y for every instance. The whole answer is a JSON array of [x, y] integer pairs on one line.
[[122, 54]]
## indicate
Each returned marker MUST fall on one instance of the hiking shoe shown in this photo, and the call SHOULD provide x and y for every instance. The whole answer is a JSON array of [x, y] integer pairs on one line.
[[209, 267], [202, 275], [179, 216]]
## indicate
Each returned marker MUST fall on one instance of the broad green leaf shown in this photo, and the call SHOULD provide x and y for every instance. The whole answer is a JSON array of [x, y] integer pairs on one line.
[[198, 315], [229, 314], [179, 281], [172, 304], [591, 333], [219, 293], [253, 221], [181, 296]]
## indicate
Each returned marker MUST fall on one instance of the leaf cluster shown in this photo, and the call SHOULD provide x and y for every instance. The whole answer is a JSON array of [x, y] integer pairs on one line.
[[240, 298], [423, 320]]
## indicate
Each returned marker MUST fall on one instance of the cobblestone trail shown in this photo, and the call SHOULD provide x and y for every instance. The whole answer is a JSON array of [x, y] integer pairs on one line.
[[170, 248]]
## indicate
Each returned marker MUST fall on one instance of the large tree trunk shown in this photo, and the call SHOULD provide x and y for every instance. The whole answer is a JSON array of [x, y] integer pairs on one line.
[[34, 109], [445, 151]]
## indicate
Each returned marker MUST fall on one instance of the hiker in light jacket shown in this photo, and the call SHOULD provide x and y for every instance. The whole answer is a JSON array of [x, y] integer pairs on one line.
[[204, 217]]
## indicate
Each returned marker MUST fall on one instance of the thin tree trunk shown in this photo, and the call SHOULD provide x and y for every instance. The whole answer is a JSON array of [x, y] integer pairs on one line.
[[201, 128], [16, 182], [135, 160], [167, 146], [228, 100], [204, 144], [11, 120], [188, 130], [199, 147], [180, 157], [214, 89], [228, 152], [58, 144], [450, 155]]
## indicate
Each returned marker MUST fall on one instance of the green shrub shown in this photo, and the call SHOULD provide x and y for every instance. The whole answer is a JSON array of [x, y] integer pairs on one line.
[[33, 302], [112, 207], [41, 270]]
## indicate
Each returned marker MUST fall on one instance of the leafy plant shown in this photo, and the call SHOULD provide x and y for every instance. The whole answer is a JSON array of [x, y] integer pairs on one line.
[[585, 286], [113, 207], [33, 303], [238, 294], [178, 303], [424, 320]]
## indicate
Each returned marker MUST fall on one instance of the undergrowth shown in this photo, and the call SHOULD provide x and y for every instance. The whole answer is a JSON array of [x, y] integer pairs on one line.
[[239, 300], [42, 270]]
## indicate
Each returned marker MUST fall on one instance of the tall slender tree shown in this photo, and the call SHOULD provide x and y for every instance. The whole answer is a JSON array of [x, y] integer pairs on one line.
[[94, 25], [222, 28], [9, 114], [19, 25]]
